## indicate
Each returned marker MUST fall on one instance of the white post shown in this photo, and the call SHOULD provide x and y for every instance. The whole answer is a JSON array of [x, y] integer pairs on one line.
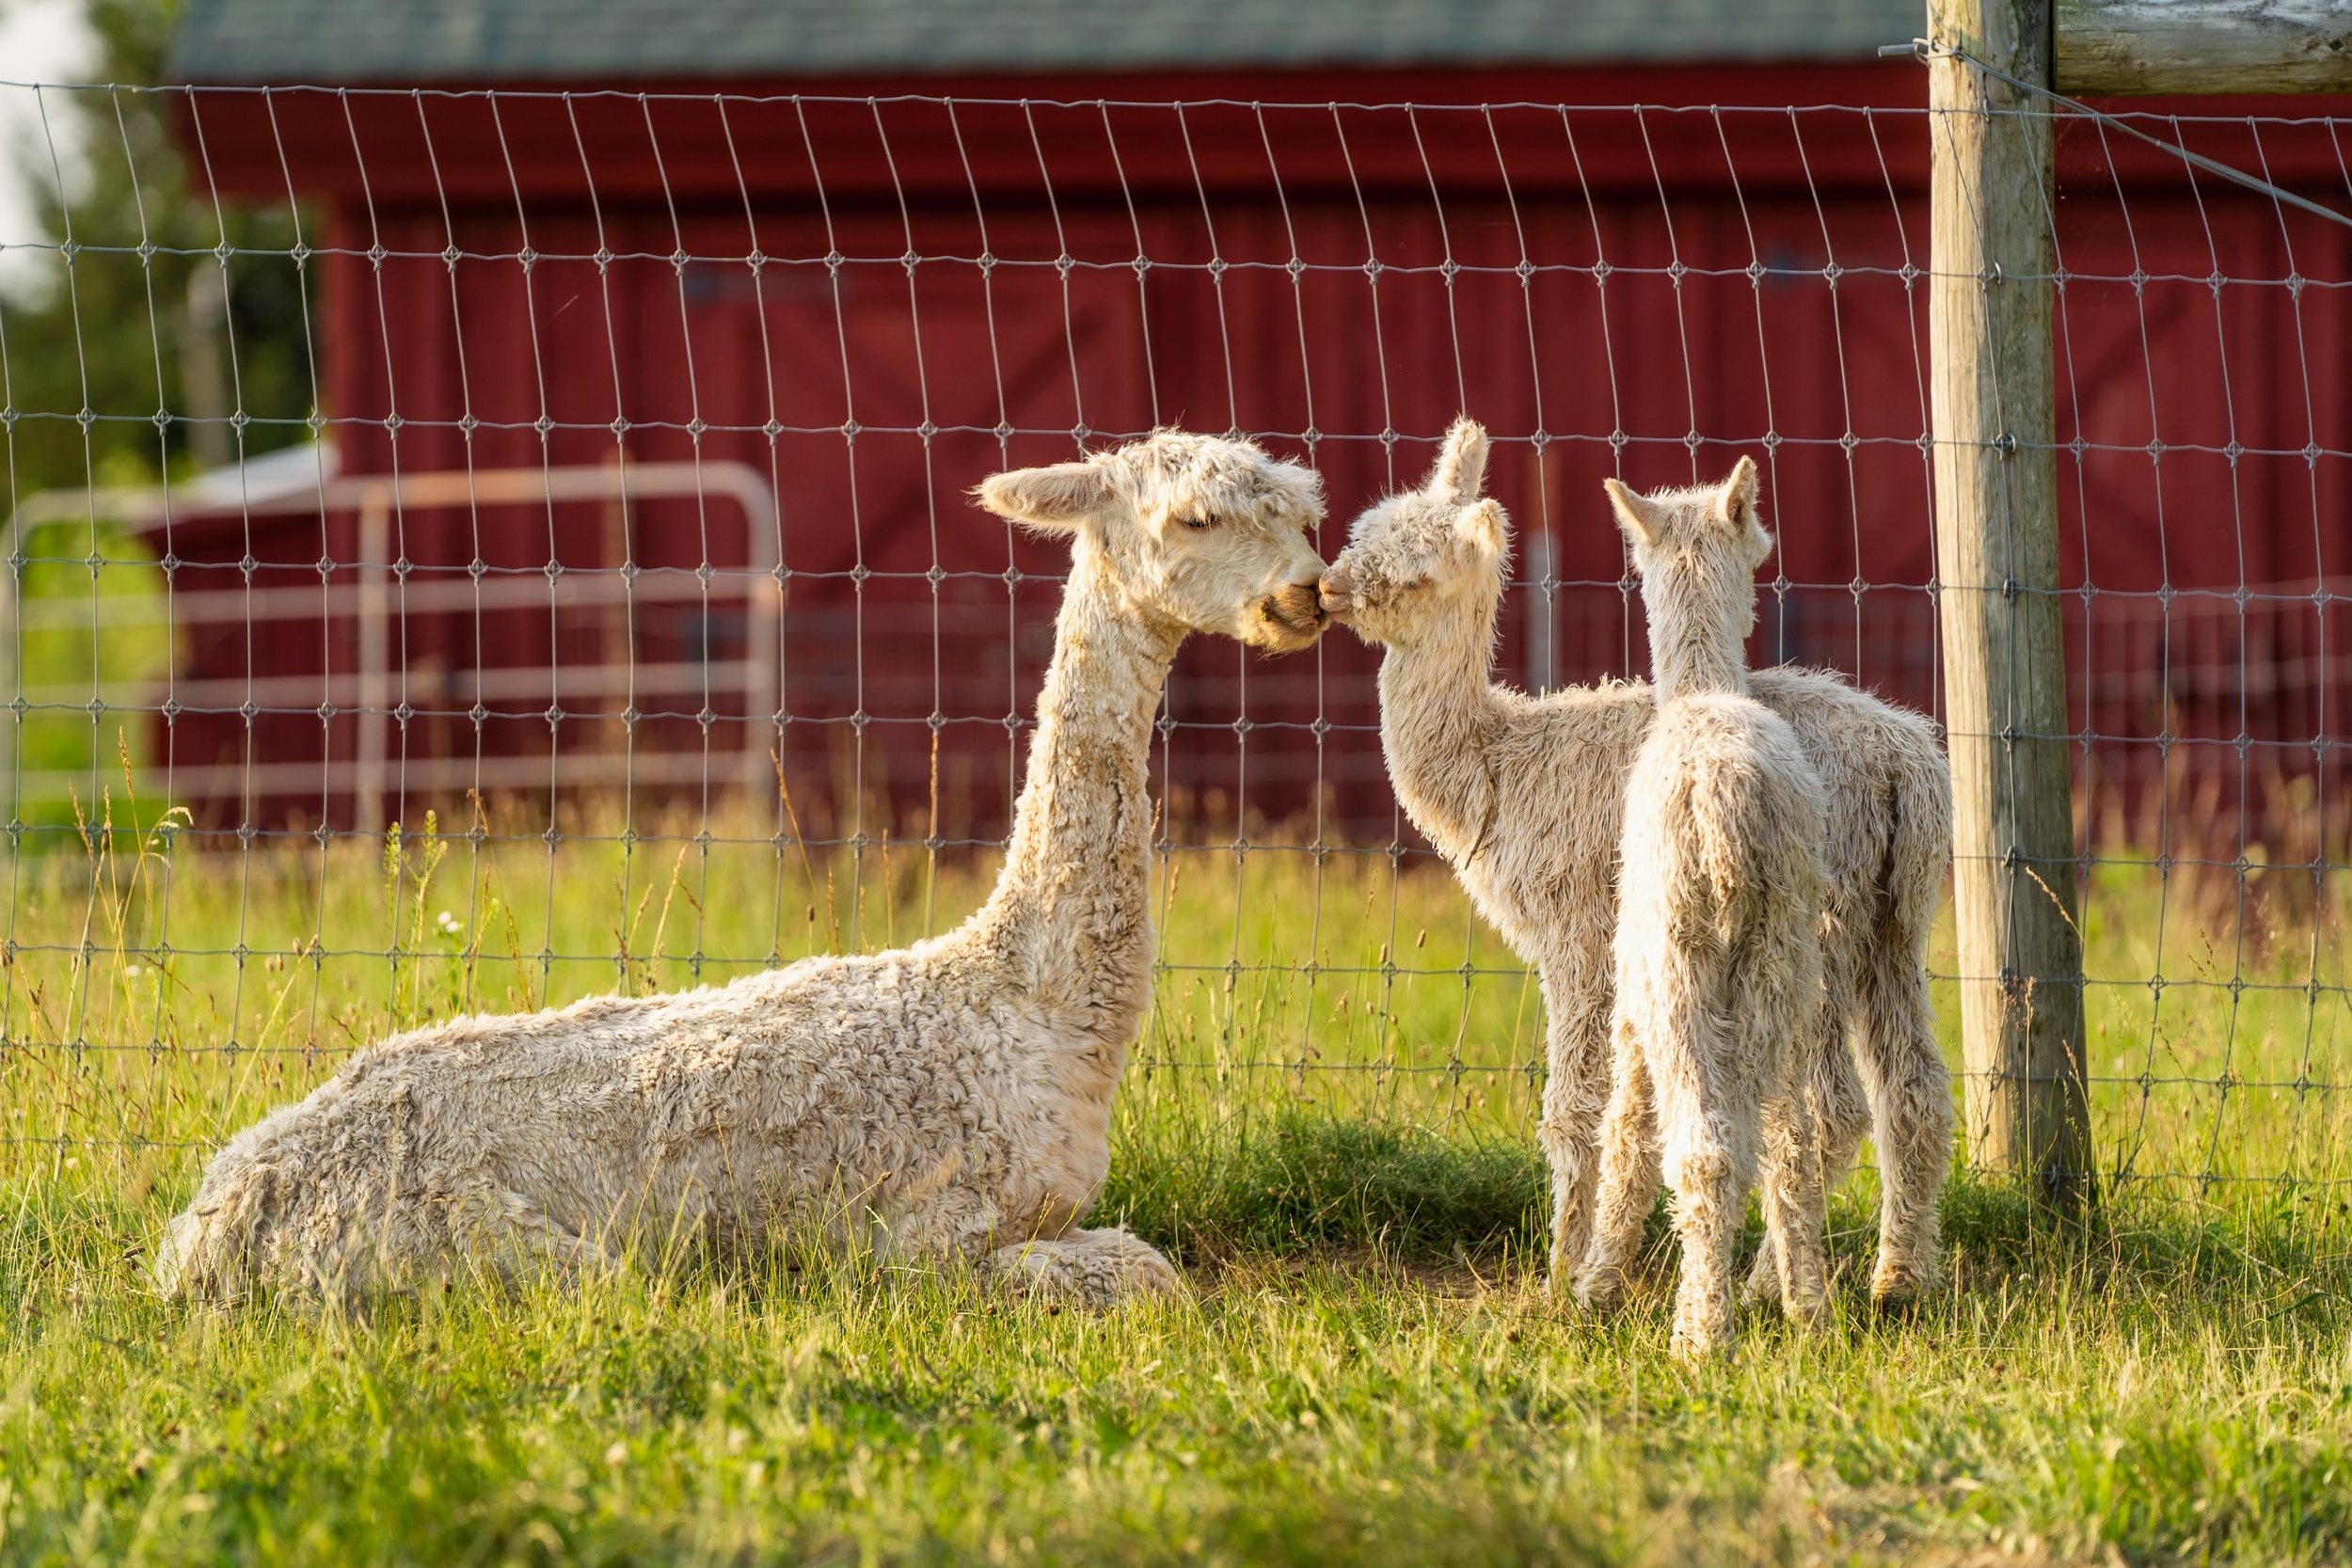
[[375, 634], [1542, 657]]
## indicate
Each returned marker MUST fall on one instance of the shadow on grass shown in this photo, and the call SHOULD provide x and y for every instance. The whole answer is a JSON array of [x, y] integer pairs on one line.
[[2289, 1244], [1299, 1184]]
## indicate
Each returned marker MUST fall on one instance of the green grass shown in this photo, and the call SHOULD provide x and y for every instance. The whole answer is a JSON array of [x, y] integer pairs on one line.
[[90, 621], [2170, 1390], [1328, 1122]]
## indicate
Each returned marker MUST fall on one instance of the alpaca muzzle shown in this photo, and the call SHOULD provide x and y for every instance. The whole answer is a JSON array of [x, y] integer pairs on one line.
[[1295, 608], [1336, 594]]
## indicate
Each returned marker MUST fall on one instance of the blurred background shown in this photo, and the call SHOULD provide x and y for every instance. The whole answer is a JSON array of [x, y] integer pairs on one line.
[[487, 521], [563, 400]]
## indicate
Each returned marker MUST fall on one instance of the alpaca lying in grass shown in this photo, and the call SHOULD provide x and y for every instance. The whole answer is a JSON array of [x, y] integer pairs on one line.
[[1524, 796], [1719, 913], [948, 1101]]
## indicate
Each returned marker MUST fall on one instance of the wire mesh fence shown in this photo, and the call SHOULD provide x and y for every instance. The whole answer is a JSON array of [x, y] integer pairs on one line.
[[470, 550]]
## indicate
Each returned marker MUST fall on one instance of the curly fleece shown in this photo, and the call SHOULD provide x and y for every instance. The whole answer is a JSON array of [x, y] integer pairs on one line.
[[1717, 947], [1524, 796], [949, 1100]]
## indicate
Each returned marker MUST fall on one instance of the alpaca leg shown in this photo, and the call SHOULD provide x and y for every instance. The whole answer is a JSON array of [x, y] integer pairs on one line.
[[1912, 1097], [1840, 1114], [1574, 1090], [1628, 1176], [1089, 1268], [1793, 1202], [1092, 1268], [1708, 1117], [486, 1236], [1704, 1101], [1840, 1107], [492, 1239], [529, 1243], [1705, 1170]]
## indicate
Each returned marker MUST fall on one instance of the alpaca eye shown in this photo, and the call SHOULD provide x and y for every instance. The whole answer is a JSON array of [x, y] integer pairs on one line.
[[1201, 524]]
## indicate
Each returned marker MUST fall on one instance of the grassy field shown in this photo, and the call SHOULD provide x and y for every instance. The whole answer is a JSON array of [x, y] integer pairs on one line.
[[1328, 1122]]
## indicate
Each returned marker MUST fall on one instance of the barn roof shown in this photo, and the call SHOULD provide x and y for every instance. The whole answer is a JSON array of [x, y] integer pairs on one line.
[[417, 40]]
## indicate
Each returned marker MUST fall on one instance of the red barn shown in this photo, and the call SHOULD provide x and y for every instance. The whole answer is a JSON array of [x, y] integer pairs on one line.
[[815, 271]]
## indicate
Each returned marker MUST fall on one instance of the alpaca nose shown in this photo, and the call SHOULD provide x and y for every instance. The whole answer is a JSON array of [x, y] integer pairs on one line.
[[1294, 605], [1336, 594]]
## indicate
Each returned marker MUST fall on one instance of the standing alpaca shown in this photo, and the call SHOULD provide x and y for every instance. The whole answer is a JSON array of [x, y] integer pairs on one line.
[[948, 1101], [1524, 795], [1719, 910]]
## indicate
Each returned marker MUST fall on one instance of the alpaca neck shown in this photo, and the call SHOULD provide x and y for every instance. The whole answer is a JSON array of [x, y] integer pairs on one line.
[[1697, 646], [1437, 715], [1070, 922]]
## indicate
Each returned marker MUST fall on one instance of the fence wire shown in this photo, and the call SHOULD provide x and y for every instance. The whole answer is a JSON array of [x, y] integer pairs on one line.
[[470, 550]]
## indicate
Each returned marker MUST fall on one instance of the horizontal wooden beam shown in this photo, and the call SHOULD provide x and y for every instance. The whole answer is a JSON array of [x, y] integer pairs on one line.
[[2112, 48]]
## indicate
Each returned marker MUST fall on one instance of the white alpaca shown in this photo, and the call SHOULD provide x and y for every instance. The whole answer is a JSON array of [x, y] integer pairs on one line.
[[1524, 796], [948, 1101], [1718, 910]]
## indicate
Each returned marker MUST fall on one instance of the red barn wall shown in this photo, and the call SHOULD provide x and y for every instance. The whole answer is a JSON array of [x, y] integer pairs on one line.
[[1694, 287]]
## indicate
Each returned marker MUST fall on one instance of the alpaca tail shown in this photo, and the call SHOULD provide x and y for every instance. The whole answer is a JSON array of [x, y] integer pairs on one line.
[[1895, 1032], [1918, 841], [1760, 861]]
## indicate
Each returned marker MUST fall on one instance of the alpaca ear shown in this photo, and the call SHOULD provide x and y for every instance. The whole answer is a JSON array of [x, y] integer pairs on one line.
[[1736, 501], [1052, 500], [1461, 465], [1303, 486], [1640, 516], [1486, 527]]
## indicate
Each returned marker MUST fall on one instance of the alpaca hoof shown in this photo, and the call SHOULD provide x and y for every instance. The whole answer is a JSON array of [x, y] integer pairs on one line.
[[1702, 1336], [1764, 1278], [1898, 1292], [1894, 1302], [1096, 1269], [1601, 1295], [1096, 1286], [1805, 1312], [1149, 1273]]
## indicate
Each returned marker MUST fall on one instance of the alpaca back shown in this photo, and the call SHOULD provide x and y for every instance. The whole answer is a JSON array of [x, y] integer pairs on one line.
[[1721, 843], [1722, 878]]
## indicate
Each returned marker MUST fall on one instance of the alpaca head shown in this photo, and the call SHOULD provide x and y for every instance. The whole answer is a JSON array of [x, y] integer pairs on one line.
[[1199, 530], [1698, 550], [1416, 555]]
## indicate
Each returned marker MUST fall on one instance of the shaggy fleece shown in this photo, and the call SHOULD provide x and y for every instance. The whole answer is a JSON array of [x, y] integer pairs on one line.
[[1524, 796], [948, 1101], [1717, 948]]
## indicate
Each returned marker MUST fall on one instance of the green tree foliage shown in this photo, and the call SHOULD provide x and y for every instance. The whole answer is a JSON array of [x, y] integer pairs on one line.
[[150, 330], [138, 311]]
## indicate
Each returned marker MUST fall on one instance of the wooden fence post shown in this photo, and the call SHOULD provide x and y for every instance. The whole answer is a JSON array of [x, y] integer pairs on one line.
[[1995, 471], [2109, 47]]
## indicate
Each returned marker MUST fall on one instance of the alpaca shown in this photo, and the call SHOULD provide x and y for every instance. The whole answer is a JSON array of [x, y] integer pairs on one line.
[[949, 1100], [1719, 910], [1524, 795]]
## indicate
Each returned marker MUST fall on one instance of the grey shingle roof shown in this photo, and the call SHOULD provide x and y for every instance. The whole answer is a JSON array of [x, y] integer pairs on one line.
[[421, 41]]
